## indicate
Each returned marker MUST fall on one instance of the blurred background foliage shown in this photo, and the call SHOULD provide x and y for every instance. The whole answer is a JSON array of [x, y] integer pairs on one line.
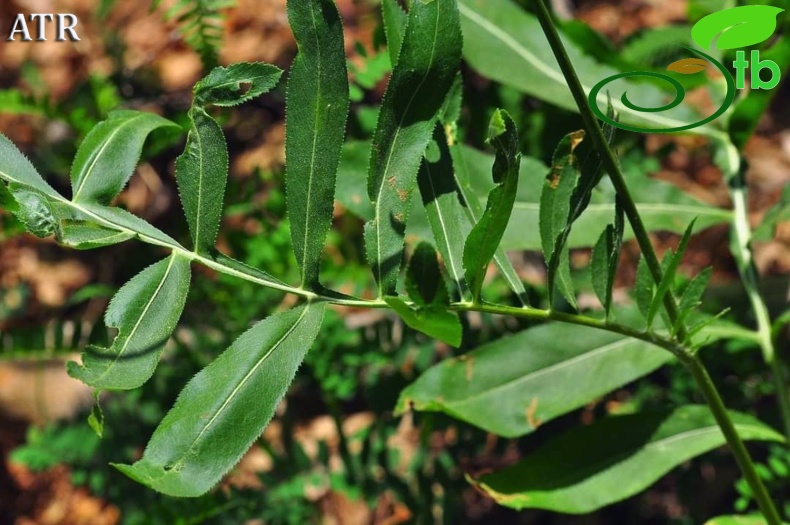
[[335, 453]]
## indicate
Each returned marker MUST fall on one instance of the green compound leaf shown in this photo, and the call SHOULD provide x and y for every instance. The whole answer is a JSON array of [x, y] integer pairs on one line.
[[486, 236], [593, 466], [395, 22], [145, 312], [108, 156], [427, 65], [202, 175], [226, 406], [236, 84], [738, 26], [526, 377], [445, 213], [556, 215], [317, 110]]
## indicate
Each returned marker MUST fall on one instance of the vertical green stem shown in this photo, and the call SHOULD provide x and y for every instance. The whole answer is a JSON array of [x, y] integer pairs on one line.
[[695, 366], [608, 157], [741, 249], [761, 495]]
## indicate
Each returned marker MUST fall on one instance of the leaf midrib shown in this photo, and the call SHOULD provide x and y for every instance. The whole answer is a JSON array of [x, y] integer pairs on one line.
[[383, 183], [235, 392], [98, 155]]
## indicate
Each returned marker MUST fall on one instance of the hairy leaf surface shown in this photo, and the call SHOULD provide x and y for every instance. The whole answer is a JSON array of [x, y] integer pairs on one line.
[[226, 406], [428, 62], [613, 459], [317, 109], [145, 312]]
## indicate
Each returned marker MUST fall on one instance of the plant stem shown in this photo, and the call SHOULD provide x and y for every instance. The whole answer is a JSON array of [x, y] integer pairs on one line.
[[694, 365], [608, 158], [741, 249], [705, 384]]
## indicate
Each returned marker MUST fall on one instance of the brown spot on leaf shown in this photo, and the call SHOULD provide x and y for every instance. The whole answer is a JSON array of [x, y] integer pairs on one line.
[[391, 181], [576, 138], [688, 66], [531, 410], [403, 195]]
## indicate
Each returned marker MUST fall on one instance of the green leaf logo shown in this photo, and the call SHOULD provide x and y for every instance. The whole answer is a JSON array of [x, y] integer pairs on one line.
[[737, 27]]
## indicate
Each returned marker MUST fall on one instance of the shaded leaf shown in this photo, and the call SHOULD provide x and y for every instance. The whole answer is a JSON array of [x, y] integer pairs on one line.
[[605, 260], [82, 235], [317, 109], [236, 84], [108, 156], [593, 466], [226, 406], [395, 21], [736, 27], [145, 311], [665, 286], [692, 295], [556, 215], [645, 287], [424, 280], [526, 377], [428, 63], [445, 213], [486, 235], [438, 323]]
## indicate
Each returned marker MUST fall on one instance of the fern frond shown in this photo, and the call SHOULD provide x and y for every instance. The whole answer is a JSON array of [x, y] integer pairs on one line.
[[200, 24]]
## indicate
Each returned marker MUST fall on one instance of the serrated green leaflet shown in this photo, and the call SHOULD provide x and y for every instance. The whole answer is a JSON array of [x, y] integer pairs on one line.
[[202, 174], [605, 259], [525, 61], [428, 62], [665, 286], [317, 110], [109, 155], [692, 295], [445, 212], [225, 407], [145, 312], [395, 21], [556, 215], [526, 377], [16, 168], [597, 465], [224, 86], [486, 236]]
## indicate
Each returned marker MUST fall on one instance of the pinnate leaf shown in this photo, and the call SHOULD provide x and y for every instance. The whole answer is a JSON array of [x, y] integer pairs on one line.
[[318, 104], [226, 406], [145, 311], [486, 236], [427, 65], [108, 156]]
